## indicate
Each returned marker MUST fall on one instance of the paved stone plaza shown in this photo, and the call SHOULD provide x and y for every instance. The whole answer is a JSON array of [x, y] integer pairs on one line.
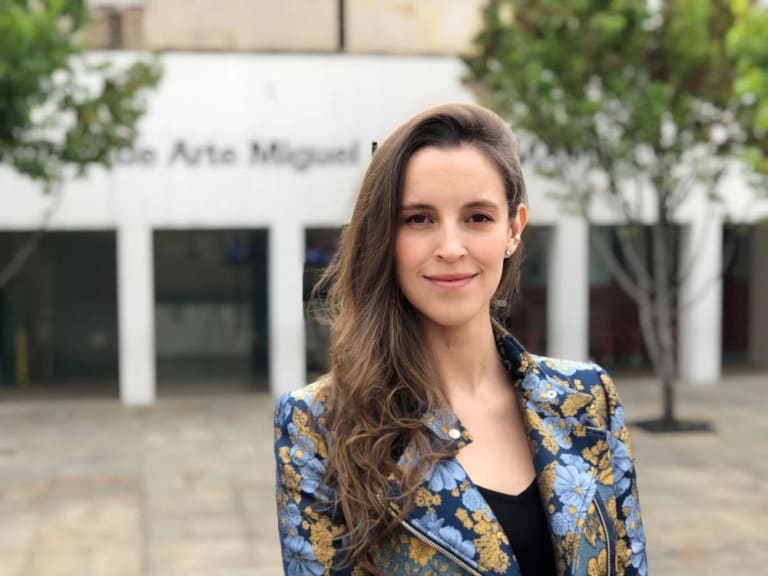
[[185, 488]]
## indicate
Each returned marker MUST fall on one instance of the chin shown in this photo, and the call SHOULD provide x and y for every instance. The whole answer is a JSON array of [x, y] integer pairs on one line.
[[453, 319]]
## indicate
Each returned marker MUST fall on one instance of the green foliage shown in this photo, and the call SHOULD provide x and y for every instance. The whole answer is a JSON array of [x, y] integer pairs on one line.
[[629, 90], [748, 45], [57, 109]]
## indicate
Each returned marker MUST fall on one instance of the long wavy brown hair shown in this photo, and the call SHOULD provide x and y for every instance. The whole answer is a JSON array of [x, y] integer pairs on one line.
[[382, 379]]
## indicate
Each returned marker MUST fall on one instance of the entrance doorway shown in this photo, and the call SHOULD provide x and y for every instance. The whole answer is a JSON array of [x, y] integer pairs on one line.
[[745, 297], [615, 337], [58, 316], [211, 316]]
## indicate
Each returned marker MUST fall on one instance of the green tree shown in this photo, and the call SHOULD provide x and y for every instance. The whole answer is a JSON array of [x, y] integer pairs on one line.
[[747, 43], [60, 112], [638, 104]]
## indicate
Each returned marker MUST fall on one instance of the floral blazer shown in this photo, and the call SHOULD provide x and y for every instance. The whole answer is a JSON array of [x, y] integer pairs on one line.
[[584, 467]]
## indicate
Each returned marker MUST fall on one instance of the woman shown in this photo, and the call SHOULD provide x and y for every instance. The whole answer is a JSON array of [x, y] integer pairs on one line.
[[437, 445]]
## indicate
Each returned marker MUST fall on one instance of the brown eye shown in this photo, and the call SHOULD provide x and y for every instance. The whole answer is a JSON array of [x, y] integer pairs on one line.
[[479, 218], [417, 219]]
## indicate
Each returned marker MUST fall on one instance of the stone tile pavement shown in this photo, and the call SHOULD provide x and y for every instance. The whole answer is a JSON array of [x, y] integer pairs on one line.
[[185, 488]]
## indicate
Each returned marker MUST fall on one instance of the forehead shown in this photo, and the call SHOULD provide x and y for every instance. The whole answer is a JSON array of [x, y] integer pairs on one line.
[[461, 173]]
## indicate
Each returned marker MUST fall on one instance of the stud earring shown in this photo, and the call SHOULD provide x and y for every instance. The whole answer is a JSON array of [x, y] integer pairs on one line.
[[507, 253], [516, 237]]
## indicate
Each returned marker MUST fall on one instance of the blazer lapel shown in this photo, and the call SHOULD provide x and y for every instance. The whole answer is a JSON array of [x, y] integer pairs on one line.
[[450, 511], [562, 438]]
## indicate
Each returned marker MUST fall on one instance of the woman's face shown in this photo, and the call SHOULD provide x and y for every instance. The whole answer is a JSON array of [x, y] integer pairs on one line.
[[454, 229]]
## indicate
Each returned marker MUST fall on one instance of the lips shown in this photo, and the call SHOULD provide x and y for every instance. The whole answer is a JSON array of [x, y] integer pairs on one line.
[[450, 280]]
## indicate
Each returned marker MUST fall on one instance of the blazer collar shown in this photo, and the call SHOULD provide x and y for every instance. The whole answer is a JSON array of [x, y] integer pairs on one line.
[[542, 393]]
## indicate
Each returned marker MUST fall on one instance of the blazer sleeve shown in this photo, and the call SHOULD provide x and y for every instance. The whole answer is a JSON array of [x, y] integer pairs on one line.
[[310, 528], [631, 554]]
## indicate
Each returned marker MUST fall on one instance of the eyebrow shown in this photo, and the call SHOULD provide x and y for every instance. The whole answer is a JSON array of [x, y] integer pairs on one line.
[[477, 204]]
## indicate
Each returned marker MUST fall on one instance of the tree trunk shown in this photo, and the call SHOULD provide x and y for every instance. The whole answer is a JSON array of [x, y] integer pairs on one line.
[[668, 397], [664, 304]]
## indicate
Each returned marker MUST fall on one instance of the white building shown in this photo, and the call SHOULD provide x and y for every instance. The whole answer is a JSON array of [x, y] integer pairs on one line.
[[188, 261]]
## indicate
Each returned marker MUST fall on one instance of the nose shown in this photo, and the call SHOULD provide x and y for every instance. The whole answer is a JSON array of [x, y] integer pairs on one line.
[[450, 245]]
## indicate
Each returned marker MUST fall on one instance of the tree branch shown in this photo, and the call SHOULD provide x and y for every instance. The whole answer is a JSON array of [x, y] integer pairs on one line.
[[24, 253]]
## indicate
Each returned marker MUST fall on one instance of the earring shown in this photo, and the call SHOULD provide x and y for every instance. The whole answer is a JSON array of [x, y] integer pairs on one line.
[[516, 237], [507, 253]]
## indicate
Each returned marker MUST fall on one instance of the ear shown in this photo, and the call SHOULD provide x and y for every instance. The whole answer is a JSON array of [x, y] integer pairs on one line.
[[516, 226]]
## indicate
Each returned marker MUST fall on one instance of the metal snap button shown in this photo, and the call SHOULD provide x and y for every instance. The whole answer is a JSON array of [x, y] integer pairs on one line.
[[454, 433], [551, 394]]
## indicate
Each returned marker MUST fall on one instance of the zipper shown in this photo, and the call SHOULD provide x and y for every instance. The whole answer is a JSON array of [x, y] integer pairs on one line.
[[432, 544], [608, 547]]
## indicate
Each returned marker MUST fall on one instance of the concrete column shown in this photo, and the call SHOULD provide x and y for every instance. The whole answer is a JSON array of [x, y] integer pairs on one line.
[[136, 309], [758, 290], [701, 298], [287, 354], [568, 290]]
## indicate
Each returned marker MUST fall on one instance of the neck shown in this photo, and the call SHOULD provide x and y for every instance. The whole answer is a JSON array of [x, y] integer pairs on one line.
[[466, 358]]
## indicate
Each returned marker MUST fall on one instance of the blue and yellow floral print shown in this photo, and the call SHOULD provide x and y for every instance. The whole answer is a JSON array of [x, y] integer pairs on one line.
[[584, 467]]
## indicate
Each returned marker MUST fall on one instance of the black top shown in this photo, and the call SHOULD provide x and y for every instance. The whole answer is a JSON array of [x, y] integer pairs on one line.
[[525, 524]]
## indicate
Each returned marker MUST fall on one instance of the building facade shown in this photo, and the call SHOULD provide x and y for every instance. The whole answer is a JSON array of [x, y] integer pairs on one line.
[[191, 261]]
